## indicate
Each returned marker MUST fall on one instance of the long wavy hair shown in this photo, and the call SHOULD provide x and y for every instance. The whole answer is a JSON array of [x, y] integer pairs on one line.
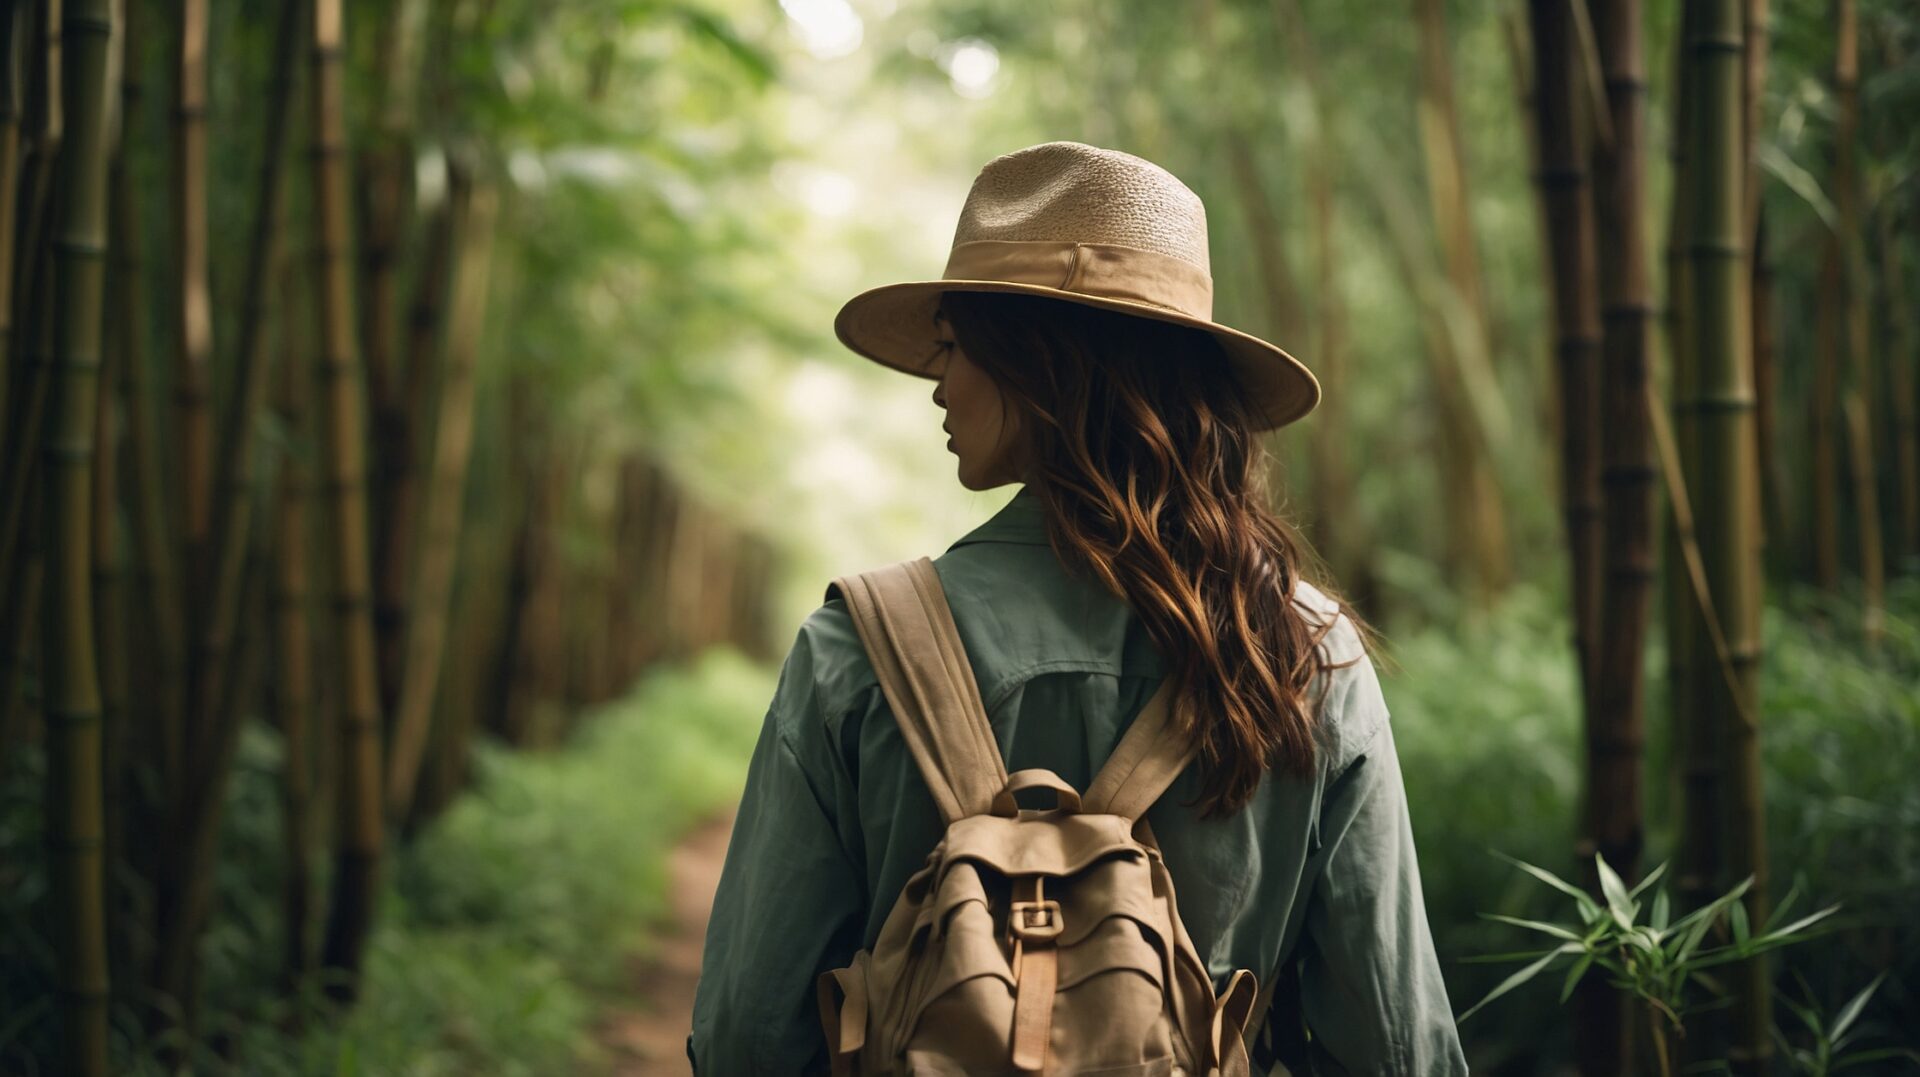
[[1143, 452]]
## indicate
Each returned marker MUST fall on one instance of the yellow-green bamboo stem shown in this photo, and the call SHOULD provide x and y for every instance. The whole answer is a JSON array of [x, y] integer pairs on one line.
[[441, 513], [1850, 244], [233, 512], [75, 796], [384, 167], [193, 307], [1463, 381], [360, 833], [155, 576], [1725, 487]]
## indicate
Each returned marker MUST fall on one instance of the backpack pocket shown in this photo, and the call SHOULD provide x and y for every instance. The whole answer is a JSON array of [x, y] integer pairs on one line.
[[1108, 1007]]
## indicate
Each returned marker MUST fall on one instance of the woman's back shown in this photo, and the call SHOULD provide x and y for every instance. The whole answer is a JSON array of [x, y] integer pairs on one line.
[[1316, 873]]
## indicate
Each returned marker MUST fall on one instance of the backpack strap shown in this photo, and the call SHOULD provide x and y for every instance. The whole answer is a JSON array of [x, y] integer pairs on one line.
[[1146, 761], [907, 628]]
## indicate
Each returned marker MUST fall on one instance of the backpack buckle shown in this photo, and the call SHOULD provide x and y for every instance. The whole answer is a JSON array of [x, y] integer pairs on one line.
[[1034, 921]]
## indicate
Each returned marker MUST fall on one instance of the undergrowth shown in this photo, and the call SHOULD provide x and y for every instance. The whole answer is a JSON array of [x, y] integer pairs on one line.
[[1487, 729], [504, 929]]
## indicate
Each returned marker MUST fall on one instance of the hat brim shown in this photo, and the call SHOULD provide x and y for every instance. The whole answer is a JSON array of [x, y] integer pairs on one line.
[[894, 325]]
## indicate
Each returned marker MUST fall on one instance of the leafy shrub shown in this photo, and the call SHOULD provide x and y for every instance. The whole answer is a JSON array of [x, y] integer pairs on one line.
[[1486, 722]]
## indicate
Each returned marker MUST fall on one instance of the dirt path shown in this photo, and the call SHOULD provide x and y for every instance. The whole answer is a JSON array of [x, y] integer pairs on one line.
[[648, 1038]]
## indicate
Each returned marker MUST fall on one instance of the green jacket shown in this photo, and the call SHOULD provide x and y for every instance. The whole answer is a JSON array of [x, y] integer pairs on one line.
[[1317, 876]]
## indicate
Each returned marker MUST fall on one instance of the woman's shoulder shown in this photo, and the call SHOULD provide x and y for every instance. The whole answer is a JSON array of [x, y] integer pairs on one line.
[[828, 656], [1350, 706]]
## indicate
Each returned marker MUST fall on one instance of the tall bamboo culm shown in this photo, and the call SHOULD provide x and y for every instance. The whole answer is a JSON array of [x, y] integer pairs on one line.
[[193, 304], [1478, 526], [75, 823], [473, 209], [1849, 247], [1564, 113], [360, 829], [1724, 485], [1614, 825]]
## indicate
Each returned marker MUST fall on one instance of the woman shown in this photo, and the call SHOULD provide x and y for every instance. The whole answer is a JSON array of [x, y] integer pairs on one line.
[[1075, 353]]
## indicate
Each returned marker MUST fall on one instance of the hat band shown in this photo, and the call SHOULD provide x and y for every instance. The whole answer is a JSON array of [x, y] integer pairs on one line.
[[1107, 270]]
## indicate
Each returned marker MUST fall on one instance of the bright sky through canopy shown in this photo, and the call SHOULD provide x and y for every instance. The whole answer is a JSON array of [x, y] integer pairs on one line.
[[828, 28]]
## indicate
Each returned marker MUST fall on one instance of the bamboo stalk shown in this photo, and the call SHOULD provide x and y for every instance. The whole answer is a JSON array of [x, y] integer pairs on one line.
[[1478, 520], [1822, 432], [22, 542], [32, 215], [1343, 534], [385, 167], [14, 27], [1850, 245], [215, 691], [110, 567], [1901, 383], [360, 837], [441, 513], [1613, 824], [1576, 314], [292, 643], [30, 365], [75, 811], [193, 309], [1727, 487], [155, 575], [233, 513], [1773, 487], [1695, 765]]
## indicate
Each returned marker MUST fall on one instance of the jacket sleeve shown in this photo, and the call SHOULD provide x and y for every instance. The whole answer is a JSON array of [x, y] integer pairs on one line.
[[789, 902], [1370, 985]]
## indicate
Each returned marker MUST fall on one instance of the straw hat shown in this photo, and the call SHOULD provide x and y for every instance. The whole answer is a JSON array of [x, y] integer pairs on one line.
[[1085, 225]]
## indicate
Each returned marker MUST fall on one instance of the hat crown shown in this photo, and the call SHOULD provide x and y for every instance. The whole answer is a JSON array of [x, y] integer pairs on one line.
[[1075, 193]]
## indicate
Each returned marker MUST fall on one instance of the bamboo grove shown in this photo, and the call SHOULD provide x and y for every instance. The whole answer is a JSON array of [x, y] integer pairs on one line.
[[1588, 98], [223, 509], [333, 399]]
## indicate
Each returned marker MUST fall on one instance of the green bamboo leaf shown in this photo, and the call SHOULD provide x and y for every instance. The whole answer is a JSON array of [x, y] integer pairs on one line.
[[1878, 1054], [1555, 930], [1521, 977], [1511, 955], [1737, 913], [1578, 970], [1855, 1006], [1780, 911], [1800, 181], [1618, 902], [1547, 877], [1797, 926], [1662, 909], [1690, 940], [1652, 876]]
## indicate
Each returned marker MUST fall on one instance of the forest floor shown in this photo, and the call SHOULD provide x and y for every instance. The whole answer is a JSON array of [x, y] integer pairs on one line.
[[647, 1035]]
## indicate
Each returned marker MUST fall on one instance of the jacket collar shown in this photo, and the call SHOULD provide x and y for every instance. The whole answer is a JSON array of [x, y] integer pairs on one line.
[[1022, 521]]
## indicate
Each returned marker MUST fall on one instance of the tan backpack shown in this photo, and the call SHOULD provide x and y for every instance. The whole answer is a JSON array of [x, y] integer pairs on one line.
[[1032, 941]]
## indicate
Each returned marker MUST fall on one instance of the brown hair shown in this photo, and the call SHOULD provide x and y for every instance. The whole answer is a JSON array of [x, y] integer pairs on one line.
[[1143, 452]]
